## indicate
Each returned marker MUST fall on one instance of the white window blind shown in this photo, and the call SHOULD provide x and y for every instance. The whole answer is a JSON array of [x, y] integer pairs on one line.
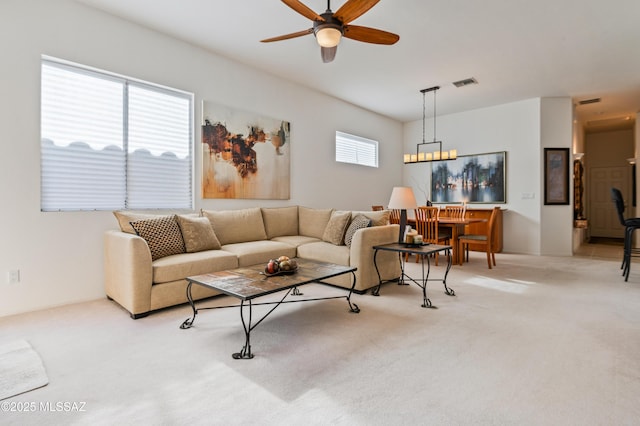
[[108, 142], [356, 150]]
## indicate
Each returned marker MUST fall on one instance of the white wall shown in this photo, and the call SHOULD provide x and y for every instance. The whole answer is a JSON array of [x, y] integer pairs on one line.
[[516, 128], [59, 255]]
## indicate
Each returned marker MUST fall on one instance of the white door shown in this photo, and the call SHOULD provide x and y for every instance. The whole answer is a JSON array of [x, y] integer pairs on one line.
[[603, 218]]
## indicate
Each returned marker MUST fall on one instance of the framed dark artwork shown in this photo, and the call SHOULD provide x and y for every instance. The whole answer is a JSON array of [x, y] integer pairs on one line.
[[556, 176], [244, 154], [479, 179]]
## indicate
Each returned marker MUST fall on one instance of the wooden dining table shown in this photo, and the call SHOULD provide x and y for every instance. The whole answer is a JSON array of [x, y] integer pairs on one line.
[[457, 228]]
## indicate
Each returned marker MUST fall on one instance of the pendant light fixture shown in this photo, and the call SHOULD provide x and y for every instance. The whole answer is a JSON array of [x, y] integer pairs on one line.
[[439, 154]]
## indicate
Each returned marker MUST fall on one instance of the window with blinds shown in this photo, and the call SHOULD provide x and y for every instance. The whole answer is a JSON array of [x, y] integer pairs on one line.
[[108, 142], [356, 150]]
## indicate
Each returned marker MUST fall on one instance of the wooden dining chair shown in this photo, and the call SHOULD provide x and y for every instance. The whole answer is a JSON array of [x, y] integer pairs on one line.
[[455, 212], [481, 239], [427, 226], [394, 217], [377, 208]]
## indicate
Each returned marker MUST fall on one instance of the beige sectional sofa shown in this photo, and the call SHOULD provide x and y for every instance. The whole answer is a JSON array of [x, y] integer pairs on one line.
[[147, 260]]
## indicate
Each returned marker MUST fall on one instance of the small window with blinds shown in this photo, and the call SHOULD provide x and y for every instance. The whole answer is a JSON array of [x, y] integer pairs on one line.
[[356, 150], [109, 142]]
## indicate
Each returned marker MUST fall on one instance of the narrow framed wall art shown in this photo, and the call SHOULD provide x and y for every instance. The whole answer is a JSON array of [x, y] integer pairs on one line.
[[556, 176]]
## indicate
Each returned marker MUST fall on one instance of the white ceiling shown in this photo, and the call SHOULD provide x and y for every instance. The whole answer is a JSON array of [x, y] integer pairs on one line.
[[516, 49]]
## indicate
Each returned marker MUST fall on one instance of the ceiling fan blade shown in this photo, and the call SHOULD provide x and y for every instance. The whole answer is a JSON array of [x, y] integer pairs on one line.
[[328, 53], [303, 10], [352, 9], [370, 35], [288, 36]]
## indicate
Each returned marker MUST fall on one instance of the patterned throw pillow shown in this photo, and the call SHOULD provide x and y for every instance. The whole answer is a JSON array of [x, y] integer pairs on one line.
[[358, 222], [162, 235], [197, 234], [335, 229]]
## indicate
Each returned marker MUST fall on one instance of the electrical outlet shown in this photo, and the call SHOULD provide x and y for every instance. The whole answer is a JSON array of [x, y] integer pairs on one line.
[[13, 277]]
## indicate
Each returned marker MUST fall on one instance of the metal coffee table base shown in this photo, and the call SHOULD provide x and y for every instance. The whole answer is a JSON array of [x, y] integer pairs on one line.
[[248, 326], [247, 315]]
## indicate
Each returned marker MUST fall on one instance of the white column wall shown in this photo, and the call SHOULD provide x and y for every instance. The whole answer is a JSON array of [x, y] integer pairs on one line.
[[556, 131]]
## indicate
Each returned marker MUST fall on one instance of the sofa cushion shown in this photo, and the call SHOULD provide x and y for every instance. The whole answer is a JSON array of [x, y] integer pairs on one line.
[[237, 226], [335, 229], [358, 222], [296, 240], [280, 221], [125, 218], [162, 235], [312, 222], [325, 252], [254, 252], [180, 266], [378, 218], [197, 234]]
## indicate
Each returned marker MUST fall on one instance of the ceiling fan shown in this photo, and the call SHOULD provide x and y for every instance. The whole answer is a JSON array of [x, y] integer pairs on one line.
[[329, 27]]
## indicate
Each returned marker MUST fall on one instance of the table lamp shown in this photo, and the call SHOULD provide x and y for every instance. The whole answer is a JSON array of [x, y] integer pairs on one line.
[[402, 199]]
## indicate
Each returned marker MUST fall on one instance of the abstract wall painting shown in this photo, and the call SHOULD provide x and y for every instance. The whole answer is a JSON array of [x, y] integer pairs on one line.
[[478, 178], [245, 155]]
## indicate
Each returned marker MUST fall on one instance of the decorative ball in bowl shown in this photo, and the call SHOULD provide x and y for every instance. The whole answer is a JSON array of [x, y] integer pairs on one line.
[[281, 265]]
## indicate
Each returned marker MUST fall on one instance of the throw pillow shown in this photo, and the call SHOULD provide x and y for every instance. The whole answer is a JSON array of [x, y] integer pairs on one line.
[[197, 234], [162, 235], [125, 218], [335, 229], [378, 218], [358, 222]]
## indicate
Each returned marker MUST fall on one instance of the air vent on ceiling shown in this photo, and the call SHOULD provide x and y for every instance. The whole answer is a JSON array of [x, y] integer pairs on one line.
[[590, 101], [465, 82]]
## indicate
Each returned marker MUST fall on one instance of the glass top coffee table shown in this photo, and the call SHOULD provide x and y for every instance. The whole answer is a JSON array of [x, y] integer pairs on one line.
[[251, 282]]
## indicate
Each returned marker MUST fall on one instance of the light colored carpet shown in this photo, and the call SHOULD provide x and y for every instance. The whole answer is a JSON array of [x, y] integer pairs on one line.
[[21, 369], [536, 341]]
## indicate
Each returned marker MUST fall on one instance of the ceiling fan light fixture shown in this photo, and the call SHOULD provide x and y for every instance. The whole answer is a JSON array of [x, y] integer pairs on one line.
[[328, 36], [329, 28]]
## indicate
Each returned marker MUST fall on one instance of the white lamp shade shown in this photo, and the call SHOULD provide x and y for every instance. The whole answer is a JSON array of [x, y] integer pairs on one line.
[[328, 37], [402, 198]]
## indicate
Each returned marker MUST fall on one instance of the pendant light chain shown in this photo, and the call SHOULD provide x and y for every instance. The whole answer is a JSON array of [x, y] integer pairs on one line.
[[434, 116], [424, 112]]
